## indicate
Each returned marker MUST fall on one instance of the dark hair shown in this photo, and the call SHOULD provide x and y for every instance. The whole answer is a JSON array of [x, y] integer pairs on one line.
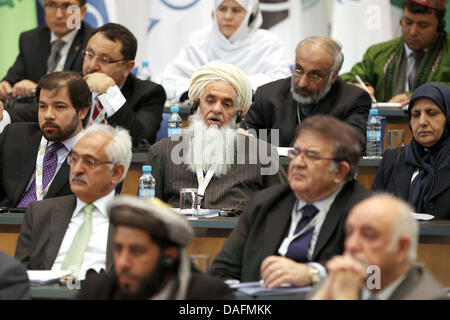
[[82, 2], [415, 7], [125, 215], [115, 31], [345, 140], [79, 92]]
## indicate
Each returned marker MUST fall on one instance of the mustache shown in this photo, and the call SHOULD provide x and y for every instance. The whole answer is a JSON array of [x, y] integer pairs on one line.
[[49, 124], [80, 178], [303, 91]]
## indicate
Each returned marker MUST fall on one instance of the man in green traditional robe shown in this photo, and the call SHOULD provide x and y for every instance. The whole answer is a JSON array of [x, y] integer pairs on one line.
[[392, 70]]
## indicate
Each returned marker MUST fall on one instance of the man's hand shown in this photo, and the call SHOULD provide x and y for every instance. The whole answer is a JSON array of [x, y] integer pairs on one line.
[[24, 88], [6, 90], [1, 110], [402, 98], [345, 279], [245, 132], [370, 90], [99, 82], [277, 270]]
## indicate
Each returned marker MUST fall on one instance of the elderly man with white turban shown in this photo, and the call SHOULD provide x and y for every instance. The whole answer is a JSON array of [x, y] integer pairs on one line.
[[150, 260], [235, 38], [226, 167]]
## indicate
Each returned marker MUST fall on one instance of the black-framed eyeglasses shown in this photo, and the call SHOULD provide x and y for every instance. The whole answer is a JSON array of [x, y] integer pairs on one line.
[[102, 60], [90, 163], [314, 76], [308, 154], [55, 6]]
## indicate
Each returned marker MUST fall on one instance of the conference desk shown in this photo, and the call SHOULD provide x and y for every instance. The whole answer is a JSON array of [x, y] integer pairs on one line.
[[211, 233]]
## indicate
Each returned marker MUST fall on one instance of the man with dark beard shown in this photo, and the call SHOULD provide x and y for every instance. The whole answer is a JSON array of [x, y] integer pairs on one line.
[[314, 88], [150, 261], [226, 167], [33, 155]]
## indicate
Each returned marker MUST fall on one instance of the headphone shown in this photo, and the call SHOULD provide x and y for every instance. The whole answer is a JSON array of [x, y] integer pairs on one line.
[[166, 261], [197, 104]]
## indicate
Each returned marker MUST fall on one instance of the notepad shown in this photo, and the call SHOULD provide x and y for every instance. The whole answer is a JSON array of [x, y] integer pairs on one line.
[[45, 277]]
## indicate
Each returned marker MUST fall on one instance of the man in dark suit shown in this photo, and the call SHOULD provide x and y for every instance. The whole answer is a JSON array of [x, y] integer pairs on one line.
[[33, 155], [287, 232], [36, 45], [314, 88], [226, 167], [379, 258], [14, 284], [150, 261], [73, 232], [119, 97]]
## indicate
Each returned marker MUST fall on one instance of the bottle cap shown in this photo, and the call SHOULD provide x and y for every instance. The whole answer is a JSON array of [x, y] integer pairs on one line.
[[147, 168], [374, 112], [174, 109], [145, 63]]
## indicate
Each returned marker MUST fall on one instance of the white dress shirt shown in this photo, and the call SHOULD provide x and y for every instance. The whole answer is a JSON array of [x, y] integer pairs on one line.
[[95, 255]]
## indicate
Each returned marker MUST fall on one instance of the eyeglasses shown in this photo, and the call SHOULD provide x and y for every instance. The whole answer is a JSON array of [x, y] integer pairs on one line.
[[51, 5], [314, 76], [103, 61], [308, 154], [90, 163]]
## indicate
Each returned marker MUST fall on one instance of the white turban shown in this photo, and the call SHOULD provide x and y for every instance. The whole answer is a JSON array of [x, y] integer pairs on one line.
[[218, 71]]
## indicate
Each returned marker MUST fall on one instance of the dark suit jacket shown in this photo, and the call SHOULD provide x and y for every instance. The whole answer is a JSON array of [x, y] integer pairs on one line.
[[419, 284], [34, 45], [394, 176], [42, 232], [14, 283], [201, 287], [230, 191], [274, 108], [141, 114], [19, 145], [265, 223]]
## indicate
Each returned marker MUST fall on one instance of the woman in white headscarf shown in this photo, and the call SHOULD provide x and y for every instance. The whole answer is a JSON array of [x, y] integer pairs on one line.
[[233, 38]]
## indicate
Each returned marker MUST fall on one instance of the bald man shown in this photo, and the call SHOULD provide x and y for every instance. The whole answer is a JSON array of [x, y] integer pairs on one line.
[[225, 167], [379, 258]]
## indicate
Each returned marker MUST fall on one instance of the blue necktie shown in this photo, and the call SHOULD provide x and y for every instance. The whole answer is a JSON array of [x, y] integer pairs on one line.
[[298, 248]]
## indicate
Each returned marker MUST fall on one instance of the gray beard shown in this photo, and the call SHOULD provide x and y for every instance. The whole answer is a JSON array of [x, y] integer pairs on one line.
[[313, 98], [211, 147]]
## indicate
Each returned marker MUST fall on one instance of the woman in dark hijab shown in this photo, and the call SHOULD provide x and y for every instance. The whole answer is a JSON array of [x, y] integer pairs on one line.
[[420, 171]]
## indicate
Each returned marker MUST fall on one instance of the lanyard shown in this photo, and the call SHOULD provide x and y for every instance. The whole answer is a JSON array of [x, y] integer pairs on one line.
[[39, 170], [203, 183]]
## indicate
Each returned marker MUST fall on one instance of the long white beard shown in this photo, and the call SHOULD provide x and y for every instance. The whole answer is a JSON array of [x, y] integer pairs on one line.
[[211, 146]]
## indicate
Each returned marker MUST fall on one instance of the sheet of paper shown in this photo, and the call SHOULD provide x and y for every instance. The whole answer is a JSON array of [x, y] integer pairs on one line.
[[423, 216], [255, 289], [43, 277], [388, 105], [204, 213], [282, 151]]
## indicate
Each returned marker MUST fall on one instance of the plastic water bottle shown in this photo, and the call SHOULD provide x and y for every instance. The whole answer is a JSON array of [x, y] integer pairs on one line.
[[144, 73], [147, 184], [373, 146], [174, 123]]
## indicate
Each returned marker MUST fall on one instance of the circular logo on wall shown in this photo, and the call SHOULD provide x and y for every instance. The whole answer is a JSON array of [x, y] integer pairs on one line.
[[180, 4]]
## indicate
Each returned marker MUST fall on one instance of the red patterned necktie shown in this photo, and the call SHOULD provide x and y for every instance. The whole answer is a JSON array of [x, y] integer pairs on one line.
[[98, 107]]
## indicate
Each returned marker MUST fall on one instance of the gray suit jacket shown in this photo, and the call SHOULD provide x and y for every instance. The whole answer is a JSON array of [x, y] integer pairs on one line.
[[14, 284], [230, 191], [42, 232], [419, 284]]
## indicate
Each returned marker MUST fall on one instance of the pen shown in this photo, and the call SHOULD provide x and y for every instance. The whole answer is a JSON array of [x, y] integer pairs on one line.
[[367, 89]]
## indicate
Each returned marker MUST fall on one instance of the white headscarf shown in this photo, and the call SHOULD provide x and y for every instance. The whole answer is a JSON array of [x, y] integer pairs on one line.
[[221, 46]]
